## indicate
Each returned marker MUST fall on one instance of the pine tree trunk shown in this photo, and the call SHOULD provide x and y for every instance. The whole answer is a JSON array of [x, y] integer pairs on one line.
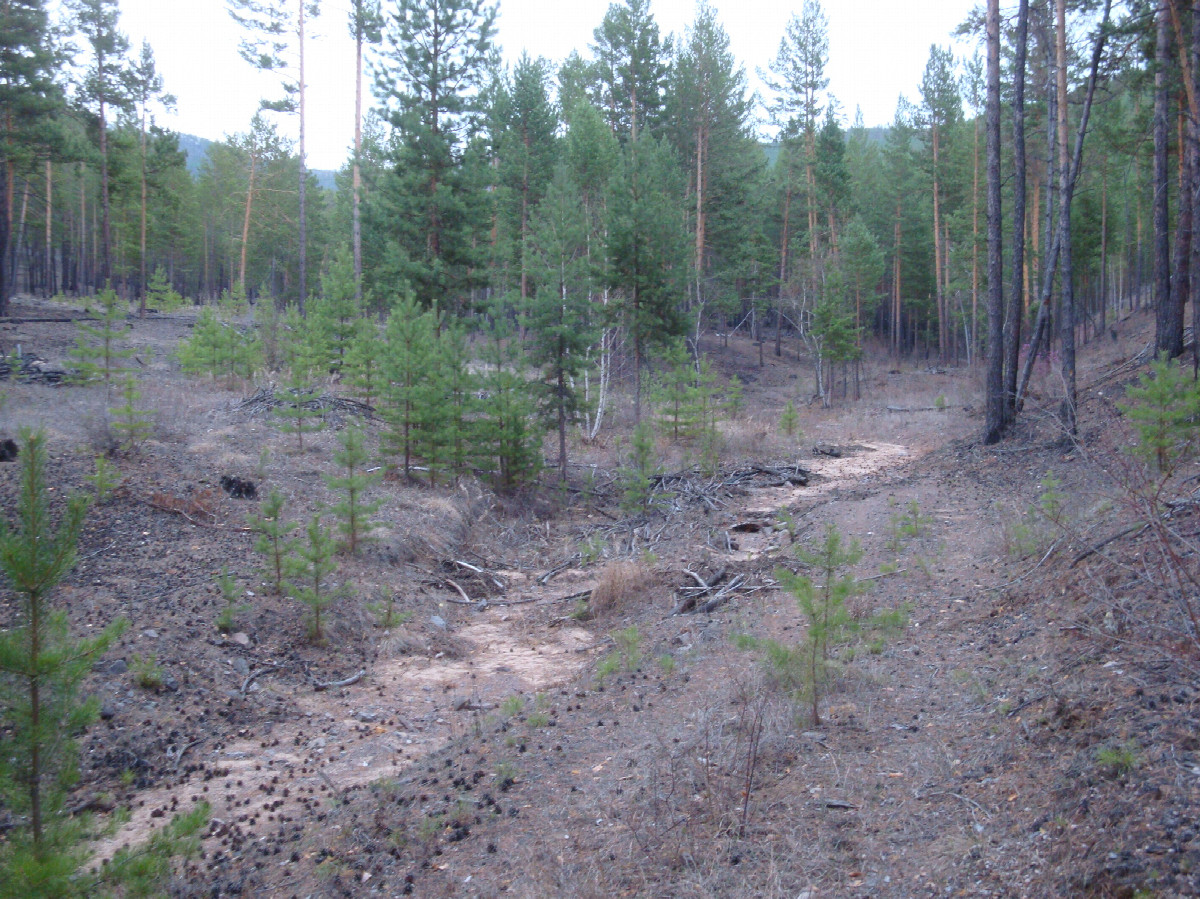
[[142, 223], [5, 217], [356, 203], [1066, 279], [246, 219], [1016, 300], [994, 425], [1194, 153], [1167, 322], [939, 293], [303, 174], [48, 287], [105, 217]]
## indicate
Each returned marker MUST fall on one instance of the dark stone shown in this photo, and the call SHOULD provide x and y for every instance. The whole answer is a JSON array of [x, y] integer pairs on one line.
[[239, 488], [8, 450]]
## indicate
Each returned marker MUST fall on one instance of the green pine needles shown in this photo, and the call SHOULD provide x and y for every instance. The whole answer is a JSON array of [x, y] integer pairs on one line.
[[823, 605], [308, 569], [132, 423], [352, 510], [219, 350], [297, 412], [41, 669], [97, 354], [273, 539], [1164, 409]]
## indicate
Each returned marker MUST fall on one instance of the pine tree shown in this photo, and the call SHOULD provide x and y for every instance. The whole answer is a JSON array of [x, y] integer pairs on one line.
[[308, 570], [28, 95], [408, 359], [445, 421], [273, 540], [132, 423], [436, 59], [363, 369], [527, 148], [559, 315], [647, 250], [96, 353], [297, 411], [352, 510], [333, 316], [824, 606], [275, 37], [508, 440], [41, 670], [105, 88], [636, 477], [631, 62]]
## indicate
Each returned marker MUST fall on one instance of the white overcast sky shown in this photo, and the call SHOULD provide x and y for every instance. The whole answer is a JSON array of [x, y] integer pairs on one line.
[[877, 51]]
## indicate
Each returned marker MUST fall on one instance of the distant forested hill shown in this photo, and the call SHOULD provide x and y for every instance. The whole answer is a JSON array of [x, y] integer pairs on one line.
[[196, 148]]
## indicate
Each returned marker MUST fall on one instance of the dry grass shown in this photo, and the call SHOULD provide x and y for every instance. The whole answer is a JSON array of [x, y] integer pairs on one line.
[[622, 582]]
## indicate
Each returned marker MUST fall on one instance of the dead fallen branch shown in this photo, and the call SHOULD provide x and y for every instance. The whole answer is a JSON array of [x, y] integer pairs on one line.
[[334, 684], [267, 399], [1135, 529], [255, 675]]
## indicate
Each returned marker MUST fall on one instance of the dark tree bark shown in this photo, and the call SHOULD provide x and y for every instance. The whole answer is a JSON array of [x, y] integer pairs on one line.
[[1168, 336], [303, 174], [1016, 299], [3, 238], [995, 304], [1194, 155], [1066, 275], [1073, 165]]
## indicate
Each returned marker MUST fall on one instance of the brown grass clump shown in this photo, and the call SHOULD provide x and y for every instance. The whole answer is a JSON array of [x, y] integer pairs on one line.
[[621, 583]]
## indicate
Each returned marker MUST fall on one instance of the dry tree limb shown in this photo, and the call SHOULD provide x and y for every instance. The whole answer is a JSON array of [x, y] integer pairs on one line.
[[466, 600], [177, 757], [1139, 528], [252, 677], [334, 684]]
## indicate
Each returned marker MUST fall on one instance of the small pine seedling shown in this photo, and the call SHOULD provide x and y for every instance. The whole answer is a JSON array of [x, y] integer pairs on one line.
[[352, 510], [824, 605], [789, 421], [308, 568], [105, 480], [131, 422], [42, 668], [96, 354], [296, 413], [231, 592], [272, 539]]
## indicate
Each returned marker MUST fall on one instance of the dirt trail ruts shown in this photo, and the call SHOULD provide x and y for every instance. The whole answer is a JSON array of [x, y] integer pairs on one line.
[[408, 707]]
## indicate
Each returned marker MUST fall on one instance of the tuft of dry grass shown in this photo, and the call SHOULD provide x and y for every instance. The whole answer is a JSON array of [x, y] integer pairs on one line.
[[621, 583]]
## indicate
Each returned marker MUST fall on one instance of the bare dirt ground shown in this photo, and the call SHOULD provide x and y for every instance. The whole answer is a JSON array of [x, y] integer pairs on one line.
[[1032, 730]]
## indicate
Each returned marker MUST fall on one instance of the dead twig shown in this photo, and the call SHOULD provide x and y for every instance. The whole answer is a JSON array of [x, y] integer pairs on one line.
[[1139, 528], [334, 684], [251, 678]]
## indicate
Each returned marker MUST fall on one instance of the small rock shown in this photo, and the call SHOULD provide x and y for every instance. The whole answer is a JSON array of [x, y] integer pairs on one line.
[[241, 639], [367, 716], [170, 684], [8, 450], [107, 712], [151, 633], [241, 666], [438, 621], [115, 667]]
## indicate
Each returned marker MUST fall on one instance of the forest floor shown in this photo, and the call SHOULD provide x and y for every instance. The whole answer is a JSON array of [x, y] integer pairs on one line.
[[1031, 729]]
